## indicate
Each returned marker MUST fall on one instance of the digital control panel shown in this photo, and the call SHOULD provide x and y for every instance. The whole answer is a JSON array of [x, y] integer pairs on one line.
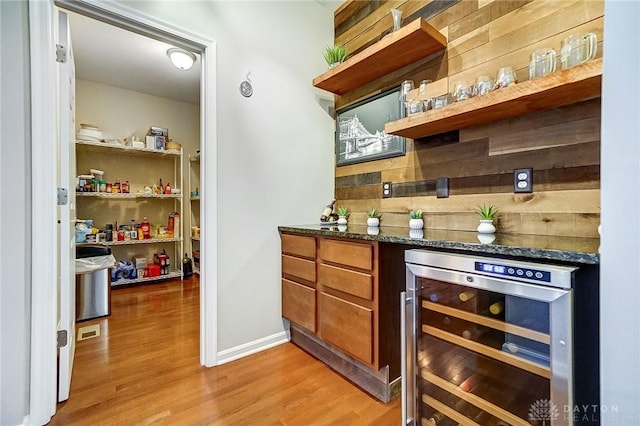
[[514, 271]]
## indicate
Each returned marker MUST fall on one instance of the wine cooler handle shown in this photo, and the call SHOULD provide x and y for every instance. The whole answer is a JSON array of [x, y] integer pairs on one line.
[[407, 360]]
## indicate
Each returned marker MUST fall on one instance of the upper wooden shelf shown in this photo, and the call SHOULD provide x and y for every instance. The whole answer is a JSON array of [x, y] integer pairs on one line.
[[410, 43], [557, 89]]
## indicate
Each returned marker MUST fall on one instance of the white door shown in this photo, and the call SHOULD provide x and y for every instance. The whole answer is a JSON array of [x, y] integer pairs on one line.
[[66, 212]]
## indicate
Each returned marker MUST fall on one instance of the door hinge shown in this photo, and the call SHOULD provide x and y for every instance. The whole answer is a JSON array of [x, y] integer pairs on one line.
[[63, 196], [63, 338], [61, 54]]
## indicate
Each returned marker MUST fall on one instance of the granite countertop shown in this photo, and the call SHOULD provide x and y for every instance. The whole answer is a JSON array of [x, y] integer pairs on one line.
[[564, 249]]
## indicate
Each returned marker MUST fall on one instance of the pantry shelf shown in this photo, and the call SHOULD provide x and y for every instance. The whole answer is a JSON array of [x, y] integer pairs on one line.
[[108, 147], [147, 241], [410, 43], [554, 90], [124, 281], [125, 196]]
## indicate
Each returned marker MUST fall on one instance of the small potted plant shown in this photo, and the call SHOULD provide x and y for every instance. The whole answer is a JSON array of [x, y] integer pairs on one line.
[[487, 214], [416, 221], [335, 55], [373, 217], [343, 213]]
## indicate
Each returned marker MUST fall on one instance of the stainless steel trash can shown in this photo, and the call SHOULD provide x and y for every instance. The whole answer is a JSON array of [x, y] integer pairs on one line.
[[93, 281]]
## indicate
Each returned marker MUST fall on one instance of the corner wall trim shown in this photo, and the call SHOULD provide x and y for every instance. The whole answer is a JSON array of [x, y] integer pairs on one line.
[[251, 348]]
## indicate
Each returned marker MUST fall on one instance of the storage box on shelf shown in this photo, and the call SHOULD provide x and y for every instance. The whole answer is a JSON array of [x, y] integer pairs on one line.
[[410, 43], [553, 90], [142, 167]]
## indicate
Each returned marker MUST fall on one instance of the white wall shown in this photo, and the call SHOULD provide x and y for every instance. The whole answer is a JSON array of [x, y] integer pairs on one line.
[[15, 235], [275, 149], [620, 247]]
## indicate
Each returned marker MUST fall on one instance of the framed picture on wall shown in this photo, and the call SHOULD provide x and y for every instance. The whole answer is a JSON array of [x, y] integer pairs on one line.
[[360, 132]]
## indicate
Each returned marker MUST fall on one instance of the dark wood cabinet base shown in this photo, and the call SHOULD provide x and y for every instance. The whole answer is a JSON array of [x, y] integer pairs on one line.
[[376, 383]]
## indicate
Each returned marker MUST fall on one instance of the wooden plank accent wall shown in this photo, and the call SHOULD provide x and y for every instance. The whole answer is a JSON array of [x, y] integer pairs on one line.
[[562, 145]]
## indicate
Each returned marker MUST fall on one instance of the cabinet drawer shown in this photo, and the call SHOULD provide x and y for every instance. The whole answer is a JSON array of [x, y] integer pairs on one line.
[[299, 245], [301, 268], [299, 304], [347, 326], [348, 254], [357, 283]]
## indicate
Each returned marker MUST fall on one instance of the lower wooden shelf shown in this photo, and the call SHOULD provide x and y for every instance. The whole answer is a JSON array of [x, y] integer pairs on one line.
[[124, 281]]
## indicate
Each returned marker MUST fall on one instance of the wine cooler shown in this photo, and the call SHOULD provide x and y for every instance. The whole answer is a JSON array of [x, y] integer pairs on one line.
[[487, 341]]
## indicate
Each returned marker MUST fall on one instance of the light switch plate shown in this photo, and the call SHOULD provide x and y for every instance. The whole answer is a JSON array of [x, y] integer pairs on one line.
[[523, 180], [386, 189]]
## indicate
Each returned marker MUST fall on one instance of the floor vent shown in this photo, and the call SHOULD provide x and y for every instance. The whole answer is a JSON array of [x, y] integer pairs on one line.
[[88, 332]]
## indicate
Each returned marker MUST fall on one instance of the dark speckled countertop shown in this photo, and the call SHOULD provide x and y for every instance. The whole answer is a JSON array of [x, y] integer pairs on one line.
[[563, 249]]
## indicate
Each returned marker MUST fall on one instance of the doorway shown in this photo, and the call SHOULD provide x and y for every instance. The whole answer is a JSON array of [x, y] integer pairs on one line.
[[43, 313]]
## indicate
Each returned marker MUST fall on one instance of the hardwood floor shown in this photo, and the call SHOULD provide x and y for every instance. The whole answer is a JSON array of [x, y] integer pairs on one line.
[[144, 369]]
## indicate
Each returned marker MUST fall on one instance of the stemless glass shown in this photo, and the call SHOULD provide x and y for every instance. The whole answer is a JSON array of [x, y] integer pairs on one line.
[[462, 91], [484, 85], [405, 88], [505, 77]]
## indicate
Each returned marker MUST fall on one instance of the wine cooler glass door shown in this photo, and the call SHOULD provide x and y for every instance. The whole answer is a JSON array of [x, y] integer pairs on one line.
[[487, 351]]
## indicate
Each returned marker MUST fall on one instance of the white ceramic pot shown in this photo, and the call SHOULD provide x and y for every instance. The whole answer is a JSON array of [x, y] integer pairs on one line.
[[342, 220], [416, 223], [342, 228], [486, 238], [373, 230], [486, 227], [373, 221], [416, 233]]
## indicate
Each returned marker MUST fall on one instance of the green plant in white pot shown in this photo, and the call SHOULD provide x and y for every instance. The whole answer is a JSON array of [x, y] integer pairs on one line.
[[334, 55], [488, 214], [343, 213], [415, 221], [373, 217]]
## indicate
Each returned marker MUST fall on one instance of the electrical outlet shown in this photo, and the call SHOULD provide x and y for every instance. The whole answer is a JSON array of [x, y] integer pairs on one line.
[[386, 189], [442, 187], [523, 180]]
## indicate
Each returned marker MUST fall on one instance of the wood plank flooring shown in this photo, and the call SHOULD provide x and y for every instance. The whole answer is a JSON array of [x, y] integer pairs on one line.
[[144, 369]]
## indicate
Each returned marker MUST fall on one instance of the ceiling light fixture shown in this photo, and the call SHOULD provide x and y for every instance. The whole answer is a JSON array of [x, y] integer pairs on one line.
[[181, 58]]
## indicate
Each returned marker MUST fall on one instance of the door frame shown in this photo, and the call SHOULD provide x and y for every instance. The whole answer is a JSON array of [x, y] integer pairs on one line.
[[44, 123]]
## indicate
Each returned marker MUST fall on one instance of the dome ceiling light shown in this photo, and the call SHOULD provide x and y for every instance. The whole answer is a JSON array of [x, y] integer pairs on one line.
[[181, 58]]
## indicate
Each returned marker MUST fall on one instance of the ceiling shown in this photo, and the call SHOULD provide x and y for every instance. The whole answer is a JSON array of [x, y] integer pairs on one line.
[[107, 54]]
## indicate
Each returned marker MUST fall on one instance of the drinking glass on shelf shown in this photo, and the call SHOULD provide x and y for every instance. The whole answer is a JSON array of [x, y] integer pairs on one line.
[[423, 95], [462, 91], [543, 62], [577, 49], [505, 77], [484, 85], [405, 88], [396, 14], [414, 106], [440, 101]]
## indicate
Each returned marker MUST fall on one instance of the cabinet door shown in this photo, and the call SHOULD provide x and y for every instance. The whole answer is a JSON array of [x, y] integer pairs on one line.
[[347, 325], [299, 304]]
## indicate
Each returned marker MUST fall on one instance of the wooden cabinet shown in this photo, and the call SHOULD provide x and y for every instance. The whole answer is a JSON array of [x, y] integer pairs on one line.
[[299, 280]]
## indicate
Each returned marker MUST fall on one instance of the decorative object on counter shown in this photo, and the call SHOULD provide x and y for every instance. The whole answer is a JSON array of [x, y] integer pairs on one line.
[[343, 213], [246, 88], [487, 215], [360, 134], [334, 55], [396, 15], [486, 238], [577, 49], [505, 77], [342, 228], [416, 233], [373, 217], [415, 221], [543, 62], [326, 213], [373, 230]]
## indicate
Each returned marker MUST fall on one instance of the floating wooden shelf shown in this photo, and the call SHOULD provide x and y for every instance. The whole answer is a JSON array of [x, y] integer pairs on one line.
[[557, 89], [410, 43]]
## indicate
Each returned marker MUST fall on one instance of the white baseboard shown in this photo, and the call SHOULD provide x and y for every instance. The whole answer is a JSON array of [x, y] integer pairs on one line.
[[251, 348]]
